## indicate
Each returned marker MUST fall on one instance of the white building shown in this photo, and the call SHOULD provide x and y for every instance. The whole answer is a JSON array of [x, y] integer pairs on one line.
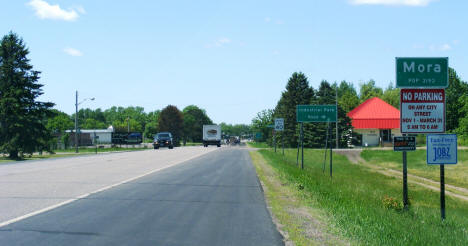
[[377, 121]]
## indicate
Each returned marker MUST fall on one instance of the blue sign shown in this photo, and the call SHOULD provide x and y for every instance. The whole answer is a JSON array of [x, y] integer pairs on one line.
[[441, 149]]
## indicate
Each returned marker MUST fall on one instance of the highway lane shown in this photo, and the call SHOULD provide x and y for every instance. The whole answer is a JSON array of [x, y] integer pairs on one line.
[[27, 187], [214, 199]]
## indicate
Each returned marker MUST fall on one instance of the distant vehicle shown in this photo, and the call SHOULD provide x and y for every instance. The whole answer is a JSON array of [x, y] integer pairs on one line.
[[135, 138], [163, 139], [127, 138], [211, 135]]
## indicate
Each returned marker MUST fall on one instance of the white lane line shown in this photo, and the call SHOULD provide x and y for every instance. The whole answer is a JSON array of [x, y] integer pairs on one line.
[[93, 192]]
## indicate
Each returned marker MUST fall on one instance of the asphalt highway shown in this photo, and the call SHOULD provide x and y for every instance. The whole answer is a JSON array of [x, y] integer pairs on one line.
[[213, 199]]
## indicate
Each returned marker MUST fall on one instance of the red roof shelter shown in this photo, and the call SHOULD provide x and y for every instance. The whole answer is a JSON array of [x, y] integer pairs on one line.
[[374, 113]]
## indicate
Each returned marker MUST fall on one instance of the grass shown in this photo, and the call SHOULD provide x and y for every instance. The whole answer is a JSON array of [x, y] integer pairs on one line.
[[454, 174], [356, 201], [298, 222], [99, 150], [35, 157], [259, 145], [68, 153]]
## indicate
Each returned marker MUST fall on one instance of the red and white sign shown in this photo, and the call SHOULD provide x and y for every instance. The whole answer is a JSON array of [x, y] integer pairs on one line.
[[422, 110]]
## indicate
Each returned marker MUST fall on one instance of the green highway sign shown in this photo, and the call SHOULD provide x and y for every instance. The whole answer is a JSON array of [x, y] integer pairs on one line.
[[316, 113], [421, 72]]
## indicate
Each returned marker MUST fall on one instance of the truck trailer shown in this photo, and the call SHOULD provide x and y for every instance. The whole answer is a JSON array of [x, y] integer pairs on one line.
[[211, 135]]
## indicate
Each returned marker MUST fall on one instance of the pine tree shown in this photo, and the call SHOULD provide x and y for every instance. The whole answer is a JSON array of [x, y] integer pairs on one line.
[[297, 92], [22, 117]]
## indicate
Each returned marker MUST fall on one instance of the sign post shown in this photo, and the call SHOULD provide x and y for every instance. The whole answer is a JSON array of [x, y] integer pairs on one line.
[[316, 113], [405, 143], [421, 110], [279, 127], [441, 150]]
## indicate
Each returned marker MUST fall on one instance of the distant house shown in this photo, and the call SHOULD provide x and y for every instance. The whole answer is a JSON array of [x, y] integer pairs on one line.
[[92, 136], [377, 121]]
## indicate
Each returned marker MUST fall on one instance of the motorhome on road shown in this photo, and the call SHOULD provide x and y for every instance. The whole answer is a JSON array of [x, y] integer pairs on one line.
[[211, 135]]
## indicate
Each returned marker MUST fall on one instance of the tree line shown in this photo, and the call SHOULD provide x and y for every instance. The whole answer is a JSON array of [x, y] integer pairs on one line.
[[299, 92], [28, 125], [185, 125]]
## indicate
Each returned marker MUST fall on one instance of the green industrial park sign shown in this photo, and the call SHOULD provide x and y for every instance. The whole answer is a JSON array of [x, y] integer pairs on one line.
[[316, 113], [422, 72]]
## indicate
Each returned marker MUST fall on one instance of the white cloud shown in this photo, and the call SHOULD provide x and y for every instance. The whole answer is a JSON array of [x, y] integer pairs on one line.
[[222, 41], [267, 19], [73, 52], [44, 10], [445, 47], [416, 3], [441, 47]]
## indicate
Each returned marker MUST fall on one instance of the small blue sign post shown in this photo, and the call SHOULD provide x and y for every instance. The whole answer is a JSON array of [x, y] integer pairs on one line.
[[441, 150]]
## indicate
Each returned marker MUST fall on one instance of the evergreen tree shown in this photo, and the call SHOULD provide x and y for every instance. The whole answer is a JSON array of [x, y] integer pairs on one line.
[[317, 132], [172, 120], [297, 92], [22, 117]]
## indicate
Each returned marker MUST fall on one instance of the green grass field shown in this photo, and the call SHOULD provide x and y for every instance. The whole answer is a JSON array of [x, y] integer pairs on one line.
[[68, 153], [258, 145], [35, 157], [99, 150], [454, 174], [365, 206]]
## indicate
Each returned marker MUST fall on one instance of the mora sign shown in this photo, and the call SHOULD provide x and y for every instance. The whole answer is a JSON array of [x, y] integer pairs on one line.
[[424, 72], [422, 111]]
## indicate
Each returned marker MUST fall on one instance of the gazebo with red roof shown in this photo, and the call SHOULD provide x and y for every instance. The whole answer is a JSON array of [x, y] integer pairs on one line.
[[376, 120]]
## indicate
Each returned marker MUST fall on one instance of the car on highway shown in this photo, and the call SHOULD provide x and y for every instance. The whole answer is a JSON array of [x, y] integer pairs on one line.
[[163, 139]]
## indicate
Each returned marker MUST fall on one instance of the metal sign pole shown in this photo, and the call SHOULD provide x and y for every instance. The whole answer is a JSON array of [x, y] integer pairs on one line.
[[331, 157], [302, 144], [442, 192], [282, 142], [274, 138], [405, 182], [326, 148], [298, 146]]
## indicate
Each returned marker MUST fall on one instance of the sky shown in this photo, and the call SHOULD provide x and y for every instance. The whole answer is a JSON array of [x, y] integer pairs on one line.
[[231, 58]]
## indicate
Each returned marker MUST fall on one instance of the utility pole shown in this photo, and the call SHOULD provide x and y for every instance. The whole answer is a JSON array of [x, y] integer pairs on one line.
[[128, 124], [76, 122], [76, 118]]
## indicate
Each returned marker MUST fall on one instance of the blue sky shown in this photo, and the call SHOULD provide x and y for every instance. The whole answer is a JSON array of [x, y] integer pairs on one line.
[[232, 58]]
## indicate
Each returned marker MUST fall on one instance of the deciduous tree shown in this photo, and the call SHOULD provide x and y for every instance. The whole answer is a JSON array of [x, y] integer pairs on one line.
[[172, 120]]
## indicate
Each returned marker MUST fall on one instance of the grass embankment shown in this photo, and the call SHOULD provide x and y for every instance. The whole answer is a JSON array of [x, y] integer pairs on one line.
[[67, 153], [456, 175], [366, 207], [99, 150], [258, 145], [35, 157]]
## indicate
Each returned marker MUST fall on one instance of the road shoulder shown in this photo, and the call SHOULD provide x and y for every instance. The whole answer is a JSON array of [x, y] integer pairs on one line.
[[298, 223]]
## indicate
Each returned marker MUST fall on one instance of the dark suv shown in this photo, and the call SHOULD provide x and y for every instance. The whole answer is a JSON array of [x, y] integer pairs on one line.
[[163, 139]]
